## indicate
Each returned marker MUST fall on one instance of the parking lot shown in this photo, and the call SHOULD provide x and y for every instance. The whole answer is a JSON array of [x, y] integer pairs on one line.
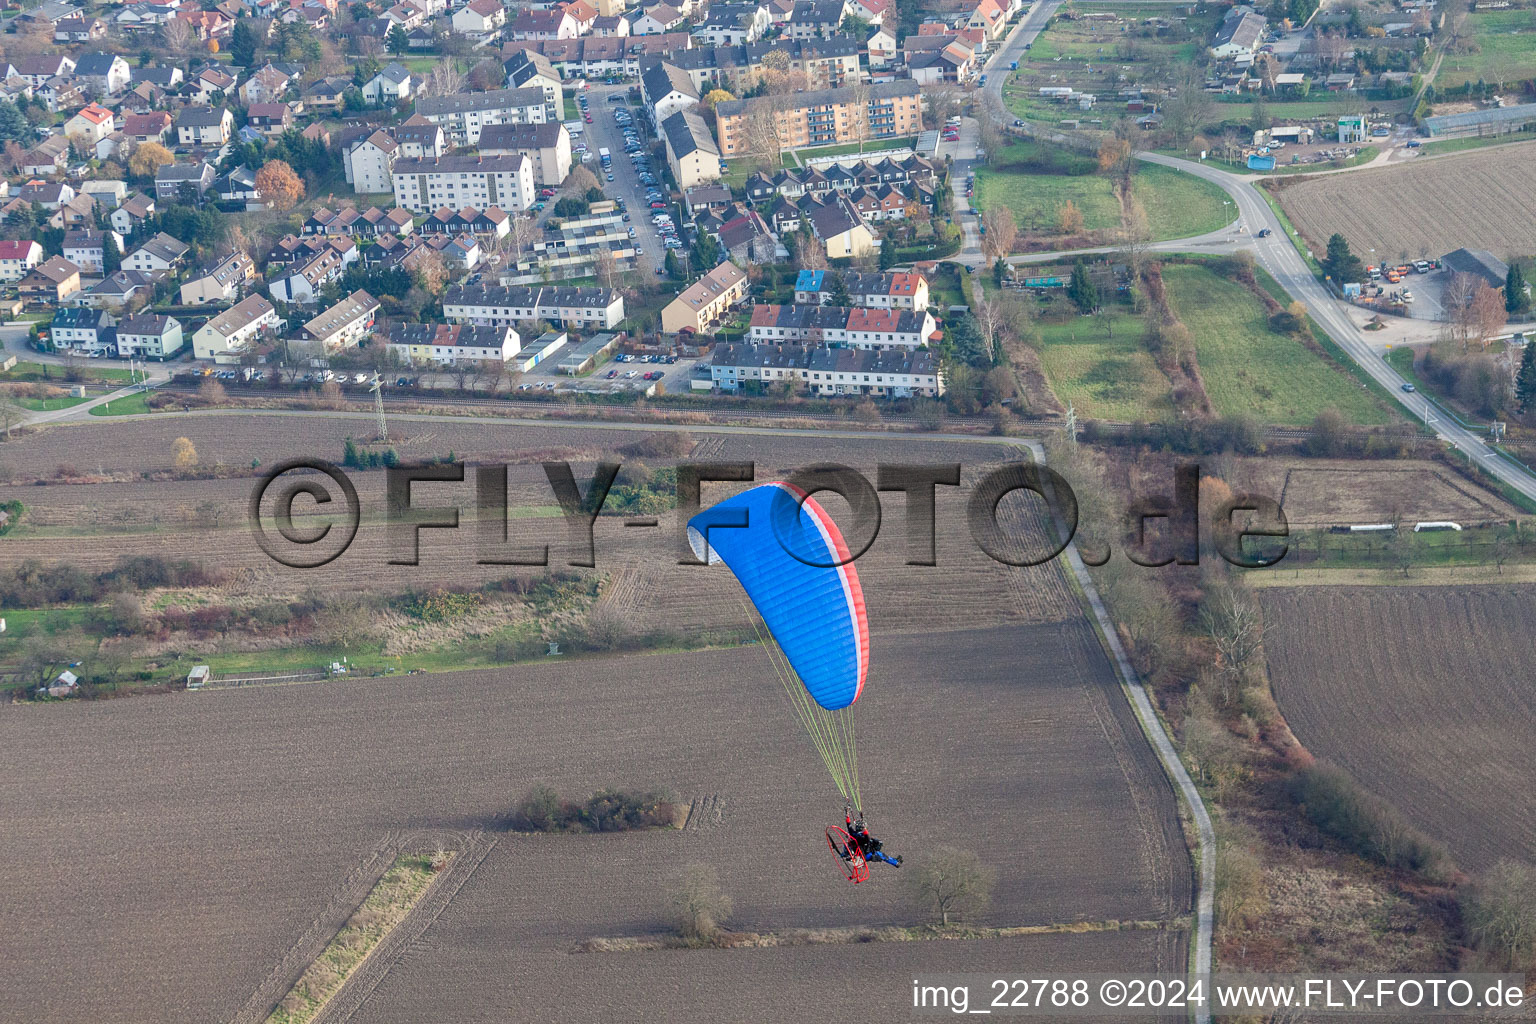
[[622, 373], [633, 175]]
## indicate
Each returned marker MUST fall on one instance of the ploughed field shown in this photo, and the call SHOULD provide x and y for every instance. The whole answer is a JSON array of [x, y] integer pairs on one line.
[[1423, 694], [92, 525], [197, 836], [1422, 207]]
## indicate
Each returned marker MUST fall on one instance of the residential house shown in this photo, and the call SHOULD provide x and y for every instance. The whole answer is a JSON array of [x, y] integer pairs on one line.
[[691, 151], [657, 19], [226, 335], [548, 145], [666, 89], [79, 30], [133, 212], [838, 225], [170, 179], [492, 222], [369, 223], [420, 138], [528, 69], [86, 248], [813, 18], [209, 82], [150, 127], [161, 77], [448, 344], [883, 290], [107, 73], [551, 23], [50, 282], [204, 126], [36, 71], [732, 23], [852, 327], [206, 25], [149, 336], [270, 119], [47, 157], [459, 252], [90, 125], [480, 19], [616, 26], [50, 195], [82, 330], [59, 94], [17, 258], [267, 84], [393, 82], [703, 304], [161, 252], [107, 192], [237, 186], [327, 93], [892, 373], [988, 16], [119, 288], [79, 212], [344, 324], [1240, 32]]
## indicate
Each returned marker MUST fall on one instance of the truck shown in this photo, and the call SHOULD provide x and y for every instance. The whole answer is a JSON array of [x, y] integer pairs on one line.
[[1013, 66], [606, 157]]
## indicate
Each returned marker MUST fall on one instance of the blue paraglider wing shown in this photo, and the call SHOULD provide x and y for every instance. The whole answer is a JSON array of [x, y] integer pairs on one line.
[[815, 611]]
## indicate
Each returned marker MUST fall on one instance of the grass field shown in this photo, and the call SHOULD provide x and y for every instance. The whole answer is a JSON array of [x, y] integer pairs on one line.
[[129, 405], [1108, 378], [50, 404], [1475, 142], [872, 147], [1505, 50], [1251, 370], [1178, 205]]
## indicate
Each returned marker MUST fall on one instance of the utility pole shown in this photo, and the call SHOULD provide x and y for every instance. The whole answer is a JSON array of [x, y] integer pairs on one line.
[[378, 407]]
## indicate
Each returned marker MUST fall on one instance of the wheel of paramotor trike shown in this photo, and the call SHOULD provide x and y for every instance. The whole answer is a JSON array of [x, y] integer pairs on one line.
[[855, 868]]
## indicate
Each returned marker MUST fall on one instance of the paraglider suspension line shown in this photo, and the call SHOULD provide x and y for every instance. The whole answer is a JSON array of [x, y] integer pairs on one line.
[[831, 732]]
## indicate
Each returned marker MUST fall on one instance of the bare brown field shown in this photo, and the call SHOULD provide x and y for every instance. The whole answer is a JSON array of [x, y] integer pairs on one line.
[[1473, 199], [198, 836], [1341, 493], [206, 520], [1423, 695]]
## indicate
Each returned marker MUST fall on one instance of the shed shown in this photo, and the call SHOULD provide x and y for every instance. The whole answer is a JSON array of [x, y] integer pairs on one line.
[[199, 677]]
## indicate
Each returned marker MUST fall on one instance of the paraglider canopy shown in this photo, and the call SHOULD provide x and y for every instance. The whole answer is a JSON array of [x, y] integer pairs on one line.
[[792, 561]]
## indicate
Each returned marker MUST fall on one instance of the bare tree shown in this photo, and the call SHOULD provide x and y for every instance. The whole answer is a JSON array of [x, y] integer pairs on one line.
[[1500, 913], [701, 906], [444, 79], [177, 36], [606, 267], [942, 102], [1457, 299], [525, 231], [578, 182], [858, 112], [760, 131], [986, 311], [1000, 231], [950, 884]]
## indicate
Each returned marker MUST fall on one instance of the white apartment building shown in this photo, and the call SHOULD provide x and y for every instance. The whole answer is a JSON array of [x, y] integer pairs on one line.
[[505, 306], [455, 181], [462, 115]]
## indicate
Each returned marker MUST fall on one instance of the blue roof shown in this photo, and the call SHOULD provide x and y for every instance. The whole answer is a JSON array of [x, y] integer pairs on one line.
[[809, 281]]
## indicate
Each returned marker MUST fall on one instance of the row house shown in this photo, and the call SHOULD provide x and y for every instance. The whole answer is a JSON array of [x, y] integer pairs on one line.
[[82, 330], [889, 289], [291, 249], [448, 344], [846, 326], [492, 222], [572, 307], [700, 307], [594, 57], [369, 223], [828, 371]]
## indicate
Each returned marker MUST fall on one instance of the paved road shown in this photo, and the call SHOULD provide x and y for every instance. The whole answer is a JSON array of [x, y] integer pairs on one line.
[[604, 132]]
